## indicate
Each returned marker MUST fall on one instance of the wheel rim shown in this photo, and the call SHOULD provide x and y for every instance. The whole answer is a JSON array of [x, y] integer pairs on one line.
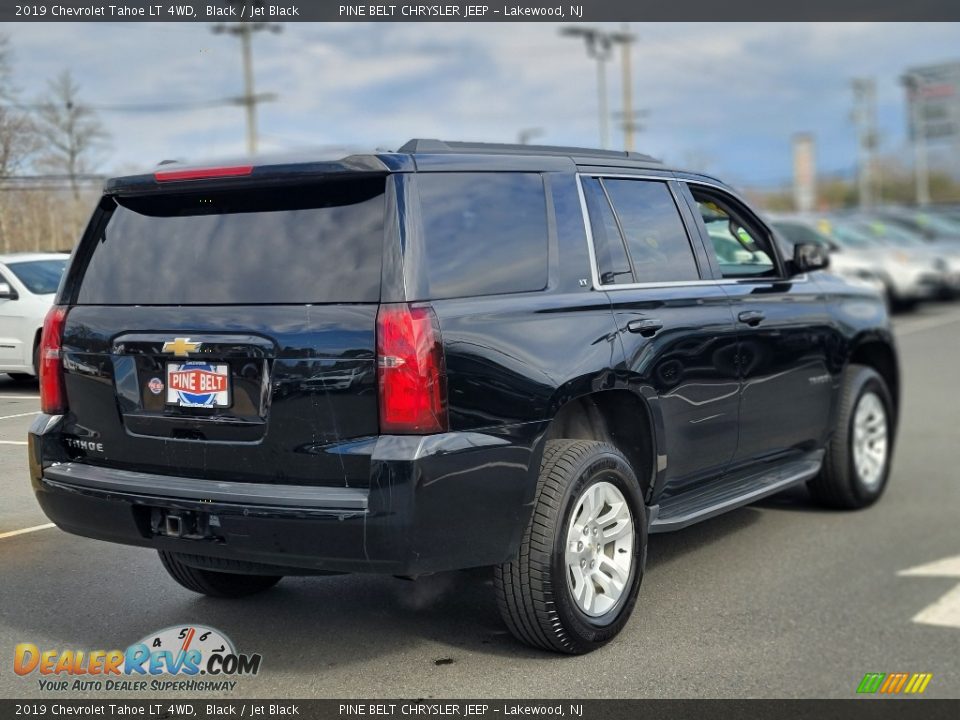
[[599, 552], [870, 439]]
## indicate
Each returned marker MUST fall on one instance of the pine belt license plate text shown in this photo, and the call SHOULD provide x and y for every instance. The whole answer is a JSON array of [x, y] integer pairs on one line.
[[198, 384]]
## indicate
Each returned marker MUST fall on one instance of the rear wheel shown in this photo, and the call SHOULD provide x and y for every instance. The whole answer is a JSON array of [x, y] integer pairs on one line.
[[857, 462], [574, 583], [214, 583]]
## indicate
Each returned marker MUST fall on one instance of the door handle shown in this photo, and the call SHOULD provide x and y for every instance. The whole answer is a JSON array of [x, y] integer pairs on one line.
[[647, 328], [751, 317]]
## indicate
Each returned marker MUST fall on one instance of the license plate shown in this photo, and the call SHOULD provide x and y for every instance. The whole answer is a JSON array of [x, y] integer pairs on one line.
[[198, 384]]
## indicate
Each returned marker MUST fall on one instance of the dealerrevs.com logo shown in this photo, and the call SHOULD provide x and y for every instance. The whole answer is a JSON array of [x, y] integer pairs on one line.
[[188, 651]]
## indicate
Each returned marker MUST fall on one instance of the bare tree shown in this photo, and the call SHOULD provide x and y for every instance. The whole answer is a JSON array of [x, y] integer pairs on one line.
[[17, 132], [71, 131]]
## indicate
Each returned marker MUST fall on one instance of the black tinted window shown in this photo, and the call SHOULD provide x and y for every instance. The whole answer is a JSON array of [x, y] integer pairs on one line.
[[316, 243], [656, 238], [612, 260], [485, 233]]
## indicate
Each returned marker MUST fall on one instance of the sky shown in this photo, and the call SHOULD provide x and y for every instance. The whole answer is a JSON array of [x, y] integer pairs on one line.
[[724, 98]]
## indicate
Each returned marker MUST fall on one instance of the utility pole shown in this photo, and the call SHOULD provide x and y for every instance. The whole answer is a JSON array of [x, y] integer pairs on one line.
[[249, 99], [628, 122], [600, 48], [527, 134], [918, 133], [865, 120]]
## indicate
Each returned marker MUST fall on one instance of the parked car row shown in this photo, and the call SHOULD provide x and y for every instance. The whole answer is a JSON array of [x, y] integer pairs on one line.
[[910, 255], [28, 282]]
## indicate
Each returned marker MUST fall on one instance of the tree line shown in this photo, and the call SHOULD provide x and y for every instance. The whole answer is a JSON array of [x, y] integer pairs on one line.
[[50, 146]]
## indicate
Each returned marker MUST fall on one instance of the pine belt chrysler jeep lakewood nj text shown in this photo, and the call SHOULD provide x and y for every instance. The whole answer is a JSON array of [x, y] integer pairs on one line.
[[450, 356]]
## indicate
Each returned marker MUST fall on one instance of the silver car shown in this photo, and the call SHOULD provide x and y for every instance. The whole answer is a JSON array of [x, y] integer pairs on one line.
[[945, 254], [906, 276], [851, 266]]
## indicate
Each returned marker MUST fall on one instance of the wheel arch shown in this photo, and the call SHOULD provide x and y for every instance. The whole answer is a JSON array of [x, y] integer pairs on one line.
[[619, 417], [878, 352]]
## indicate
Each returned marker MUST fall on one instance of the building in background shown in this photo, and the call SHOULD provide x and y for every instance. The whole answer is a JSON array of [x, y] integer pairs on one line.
[[804, 172]]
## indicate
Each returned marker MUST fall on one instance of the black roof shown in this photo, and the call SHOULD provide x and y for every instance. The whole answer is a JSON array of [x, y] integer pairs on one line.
[[424, 155], [430, 146]]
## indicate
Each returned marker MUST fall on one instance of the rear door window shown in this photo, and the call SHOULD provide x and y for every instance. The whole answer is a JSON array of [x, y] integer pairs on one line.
[[653, 228], [612, 262], [484, 233], [316, 243]]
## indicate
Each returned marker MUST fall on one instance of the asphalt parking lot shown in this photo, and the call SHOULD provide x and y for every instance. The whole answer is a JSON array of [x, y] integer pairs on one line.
[[779, 599]]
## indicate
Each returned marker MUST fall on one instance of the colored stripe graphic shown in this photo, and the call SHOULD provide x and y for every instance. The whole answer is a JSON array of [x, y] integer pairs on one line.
[[871, 682], [894, 683]]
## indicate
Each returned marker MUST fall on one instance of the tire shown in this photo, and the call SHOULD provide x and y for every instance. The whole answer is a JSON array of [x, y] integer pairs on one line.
[[213, 583], [534, 590], [23, 377], [844, 482]]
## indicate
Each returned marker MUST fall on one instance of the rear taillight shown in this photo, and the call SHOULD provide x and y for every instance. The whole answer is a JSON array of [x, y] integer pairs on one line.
[[53, 397], [410, 370]]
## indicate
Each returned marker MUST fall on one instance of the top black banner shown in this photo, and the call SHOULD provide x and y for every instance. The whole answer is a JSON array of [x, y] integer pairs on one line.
[[450, 11]]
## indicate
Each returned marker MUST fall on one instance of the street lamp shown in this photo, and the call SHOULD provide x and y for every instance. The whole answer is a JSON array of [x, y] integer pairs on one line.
[[600, 48], [913, 84]]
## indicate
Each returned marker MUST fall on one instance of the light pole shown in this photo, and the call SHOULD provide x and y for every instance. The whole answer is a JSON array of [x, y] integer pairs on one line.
[[921, 173], [249, 99], [600, 48]]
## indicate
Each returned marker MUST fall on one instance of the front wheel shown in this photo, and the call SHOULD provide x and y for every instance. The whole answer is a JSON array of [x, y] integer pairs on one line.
[[857, 462], [214, 583], [574, 583]]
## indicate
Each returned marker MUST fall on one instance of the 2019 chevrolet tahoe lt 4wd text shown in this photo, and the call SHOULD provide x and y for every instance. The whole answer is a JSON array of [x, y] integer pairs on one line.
[[451, 356]]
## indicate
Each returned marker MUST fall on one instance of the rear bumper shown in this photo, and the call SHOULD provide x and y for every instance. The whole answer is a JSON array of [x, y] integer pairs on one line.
[[433, 503]]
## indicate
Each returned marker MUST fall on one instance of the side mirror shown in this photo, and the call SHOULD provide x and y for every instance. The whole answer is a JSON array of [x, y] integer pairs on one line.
[[7, 292], [808, 256]]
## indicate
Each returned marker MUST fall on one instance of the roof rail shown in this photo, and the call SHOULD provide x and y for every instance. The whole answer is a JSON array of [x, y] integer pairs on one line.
[[428, 145]]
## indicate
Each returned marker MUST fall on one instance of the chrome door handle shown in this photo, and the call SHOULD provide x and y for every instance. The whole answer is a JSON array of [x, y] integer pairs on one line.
[[647, 328], [751, 317]]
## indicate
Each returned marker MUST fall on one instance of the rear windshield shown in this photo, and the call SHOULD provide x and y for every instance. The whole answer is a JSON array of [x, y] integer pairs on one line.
[[310, 244], [41, 277]]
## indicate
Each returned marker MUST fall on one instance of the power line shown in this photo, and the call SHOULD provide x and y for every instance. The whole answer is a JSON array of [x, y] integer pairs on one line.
[[148, 107]]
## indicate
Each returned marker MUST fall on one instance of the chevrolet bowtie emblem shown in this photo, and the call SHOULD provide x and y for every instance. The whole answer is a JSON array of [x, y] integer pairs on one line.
[[181, 347]]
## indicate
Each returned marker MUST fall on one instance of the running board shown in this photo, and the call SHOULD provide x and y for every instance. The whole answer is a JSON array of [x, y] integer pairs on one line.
[[717, 496]]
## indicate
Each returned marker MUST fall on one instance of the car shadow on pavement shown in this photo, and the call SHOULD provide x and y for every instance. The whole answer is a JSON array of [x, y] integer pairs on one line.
[[794, 499], [324, 622], [663, 548]]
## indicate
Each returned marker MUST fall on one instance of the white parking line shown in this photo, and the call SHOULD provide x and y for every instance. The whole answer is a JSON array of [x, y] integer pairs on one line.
[[13, 442], [8, 417], [24, 531], [19, 397]]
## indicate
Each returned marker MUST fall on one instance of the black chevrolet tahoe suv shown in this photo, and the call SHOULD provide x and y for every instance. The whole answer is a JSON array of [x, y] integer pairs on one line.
[[447, 357]]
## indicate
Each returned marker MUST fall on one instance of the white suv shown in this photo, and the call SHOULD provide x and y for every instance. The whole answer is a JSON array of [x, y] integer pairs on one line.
[[28, 283]]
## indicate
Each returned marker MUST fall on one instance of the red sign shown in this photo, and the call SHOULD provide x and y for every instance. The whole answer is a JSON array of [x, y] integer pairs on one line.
[[193, 380]]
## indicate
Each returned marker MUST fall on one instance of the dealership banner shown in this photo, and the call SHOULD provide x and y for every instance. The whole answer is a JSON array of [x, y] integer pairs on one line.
[[476, 11], [455, 709]]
